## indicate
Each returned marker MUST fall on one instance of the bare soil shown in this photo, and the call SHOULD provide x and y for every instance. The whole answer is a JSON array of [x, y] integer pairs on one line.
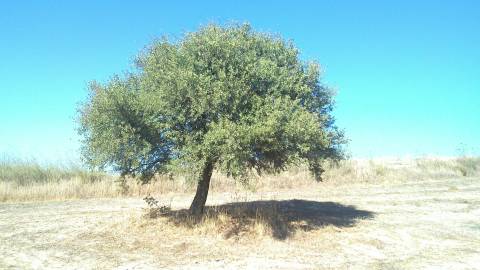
[[433, 224]]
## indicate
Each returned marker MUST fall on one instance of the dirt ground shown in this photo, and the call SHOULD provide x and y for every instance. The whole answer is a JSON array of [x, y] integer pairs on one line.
[[431, 224]]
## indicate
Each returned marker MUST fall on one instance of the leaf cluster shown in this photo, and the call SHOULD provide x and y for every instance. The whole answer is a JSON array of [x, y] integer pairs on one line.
[[227, 95]]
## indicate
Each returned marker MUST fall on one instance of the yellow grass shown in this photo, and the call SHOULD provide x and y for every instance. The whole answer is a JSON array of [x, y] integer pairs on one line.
[[349, 171], [413, 224], [367, 214]]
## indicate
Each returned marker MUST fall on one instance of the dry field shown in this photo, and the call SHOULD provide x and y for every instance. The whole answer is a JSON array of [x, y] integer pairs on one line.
[[367, 215]]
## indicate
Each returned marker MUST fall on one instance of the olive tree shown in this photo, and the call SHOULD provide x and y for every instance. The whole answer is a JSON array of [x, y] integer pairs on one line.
[[224, 97]]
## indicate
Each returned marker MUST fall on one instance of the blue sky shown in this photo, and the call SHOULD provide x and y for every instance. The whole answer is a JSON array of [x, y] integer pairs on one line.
[[407, 72]]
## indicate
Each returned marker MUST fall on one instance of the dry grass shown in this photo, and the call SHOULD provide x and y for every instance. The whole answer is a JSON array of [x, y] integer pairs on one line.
[[25, 172], [372, 214], [278, 219], [78, 184], [392, 225], [410, 224]]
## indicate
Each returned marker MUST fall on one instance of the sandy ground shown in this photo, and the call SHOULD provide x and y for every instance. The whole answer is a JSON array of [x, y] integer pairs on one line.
[[413, 225]]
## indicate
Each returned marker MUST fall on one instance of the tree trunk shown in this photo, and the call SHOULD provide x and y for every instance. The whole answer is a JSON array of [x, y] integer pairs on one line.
[[198, 204]]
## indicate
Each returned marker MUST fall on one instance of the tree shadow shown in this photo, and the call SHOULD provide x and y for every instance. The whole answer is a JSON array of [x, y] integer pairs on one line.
[[283, 217]]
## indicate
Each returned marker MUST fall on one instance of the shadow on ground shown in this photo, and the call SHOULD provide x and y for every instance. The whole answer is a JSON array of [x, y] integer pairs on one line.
[[282, 217]]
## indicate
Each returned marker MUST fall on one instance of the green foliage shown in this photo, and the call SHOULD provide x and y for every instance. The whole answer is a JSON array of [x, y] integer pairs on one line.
[[230, 96]]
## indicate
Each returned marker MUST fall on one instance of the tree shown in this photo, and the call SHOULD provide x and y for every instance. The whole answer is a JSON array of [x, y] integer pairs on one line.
[[224, 97]]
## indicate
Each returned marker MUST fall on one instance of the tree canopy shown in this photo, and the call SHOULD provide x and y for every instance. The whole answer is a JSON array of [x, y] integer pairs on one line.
[[223, 97]]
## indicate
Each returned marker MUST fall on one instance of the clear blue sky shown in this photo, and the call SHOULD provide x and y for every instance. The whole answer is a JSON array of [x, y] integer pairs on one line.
[[407, 72]]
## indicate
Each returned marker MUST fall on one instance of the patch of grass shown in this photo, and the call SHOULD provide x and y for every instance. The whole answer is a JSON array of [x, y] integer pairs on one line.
[[24, 173], [464, 166], [30, 181], [468, 166], [279, 219]]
